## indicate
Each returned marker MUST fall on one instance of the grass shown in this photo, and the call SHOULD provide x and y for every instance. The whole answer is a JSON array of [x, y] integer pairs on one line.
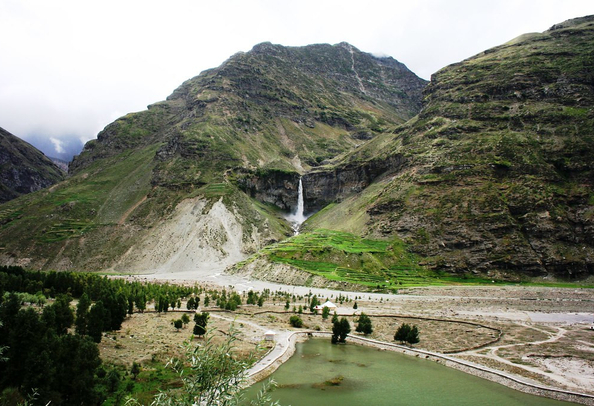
[[380, 265], [154, 377], [375, 264]]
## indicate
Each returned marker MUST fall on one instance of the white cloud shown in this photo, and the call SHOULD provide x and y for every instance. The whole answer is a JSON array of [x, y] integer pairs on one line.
[[69, 65], [58, 145]]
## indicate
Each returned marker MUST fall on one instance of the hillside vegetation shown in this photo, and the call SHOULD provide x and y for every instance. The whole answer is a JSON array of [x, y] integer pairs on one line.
[[495, 174], [166, 188]]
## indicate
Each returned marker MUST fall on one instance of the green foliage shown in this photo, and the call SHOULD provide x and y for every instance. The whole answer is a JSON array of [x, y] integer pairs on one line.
[[97, 322], [313, 303], [334, 317], [364, 324], [340, 329], [185, 318], [201, 320], [325, 312], [345, 257], [59, 315], [407, 333], [60, 367], [135, 370], [402, 333], [296, 321], [210, 375], [82, 314], [178, 324], [413, 336]]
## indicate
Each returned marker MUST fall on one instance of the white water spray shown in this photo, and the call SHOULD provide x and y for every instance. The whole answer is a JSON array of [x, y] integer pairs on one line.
[[298, 217]]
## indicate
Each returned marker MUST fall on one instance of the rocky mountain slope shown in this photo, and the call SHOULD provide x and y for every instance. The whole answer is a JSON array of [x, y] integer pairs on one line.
[[495, 175], [179, 186], [488, 172], [23, 168]]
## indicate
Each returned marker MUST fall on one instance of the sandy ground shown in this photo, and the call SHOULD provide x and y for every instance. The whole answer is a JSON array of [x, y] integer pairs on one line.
[[540, 334]]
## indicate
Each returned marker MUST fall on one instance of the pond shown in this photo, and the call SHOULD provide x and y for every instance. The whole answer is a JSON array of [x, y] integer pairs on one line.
[[342, 375]]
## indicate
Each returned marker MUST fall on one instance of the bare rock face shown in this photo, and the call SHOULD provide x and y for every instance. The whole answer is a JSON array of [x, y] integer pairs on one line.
[[23, 168]]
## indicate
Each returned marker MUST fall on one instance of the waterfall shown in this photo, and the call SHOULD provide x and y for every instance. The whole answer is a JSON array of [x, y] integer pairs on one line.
[[298, 217], [299, 213]]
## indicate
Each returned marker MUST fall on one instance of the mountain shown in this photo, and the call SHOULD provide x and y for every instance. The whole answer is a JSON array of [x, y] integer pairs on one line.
[[23, 168], [200, 180], [495, 175]]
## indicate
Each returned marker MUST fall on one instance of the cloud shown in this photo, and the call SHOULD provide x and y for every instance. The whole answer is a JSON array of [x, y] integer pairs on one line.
[[58, 145]]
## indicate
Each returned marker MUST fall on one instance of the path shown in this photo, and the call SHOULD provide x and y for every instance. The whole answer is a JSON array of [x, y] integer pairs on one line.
[[284, 346], [130, 210], [492, 353]]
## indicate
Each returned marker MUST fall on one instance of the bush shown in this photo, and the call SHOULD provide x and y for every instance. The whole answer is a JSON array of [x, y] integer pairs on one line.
[[296, 321]]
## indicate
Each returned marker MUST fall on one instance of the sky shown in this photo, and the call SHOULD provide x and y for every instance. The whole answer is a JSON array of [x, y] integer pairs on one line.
[[68, 68]]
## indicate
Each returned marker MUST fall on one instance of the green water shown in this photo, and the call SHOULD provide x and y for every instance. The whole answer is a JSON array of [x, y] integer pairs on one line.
[[372, 377]]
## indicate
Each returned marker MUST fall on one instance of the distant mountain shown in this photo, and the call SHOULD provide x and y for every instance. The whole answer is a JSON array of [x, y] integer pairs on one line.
[[201, 180], [63, 148], [60, 163], [495, 175], [23, 168]]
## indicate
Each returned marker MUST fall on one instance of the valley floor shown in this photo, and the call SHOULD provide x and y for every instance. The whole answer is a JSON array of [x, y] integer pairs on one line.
[[542, 335]]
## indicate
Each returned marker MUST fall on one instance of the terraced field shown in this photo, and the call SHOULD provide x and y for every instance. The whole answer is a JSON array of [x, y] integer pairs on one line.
[[340, 256]]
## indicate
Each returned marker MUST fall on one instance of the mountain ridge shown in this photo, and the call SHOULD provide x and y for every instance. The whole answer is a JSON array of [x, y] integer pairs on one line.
[[494, 174], [23, 168], [273, 111], [490, 174]]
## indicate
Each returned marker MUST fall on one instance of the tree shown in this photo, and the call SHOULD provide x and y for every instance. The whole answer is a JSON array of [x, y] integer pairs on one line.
[[82, 314], [201, 320], [178, 324], [296, 321], [96, 321], [325, 312], [206, 300], [287, 305], [340, 330], [413, 336], [261, 301], [135, 370], [334, 317], [140, 302], [185, 318], [59, 315], [130, 305], [252, 298], [314, 302], [78, 358], [355, 306], [190, 303], [402, 333], [364, 324]]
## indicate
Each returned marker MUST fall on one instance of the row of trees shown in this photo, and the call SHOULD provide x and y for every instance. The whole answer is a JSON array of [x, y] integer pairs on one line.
[[41, 354], [53, 349]]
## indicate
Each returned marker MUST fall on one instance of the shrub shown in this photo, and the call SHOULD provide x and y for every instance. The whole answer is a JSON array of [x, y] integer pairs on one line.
[[296, 321]]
